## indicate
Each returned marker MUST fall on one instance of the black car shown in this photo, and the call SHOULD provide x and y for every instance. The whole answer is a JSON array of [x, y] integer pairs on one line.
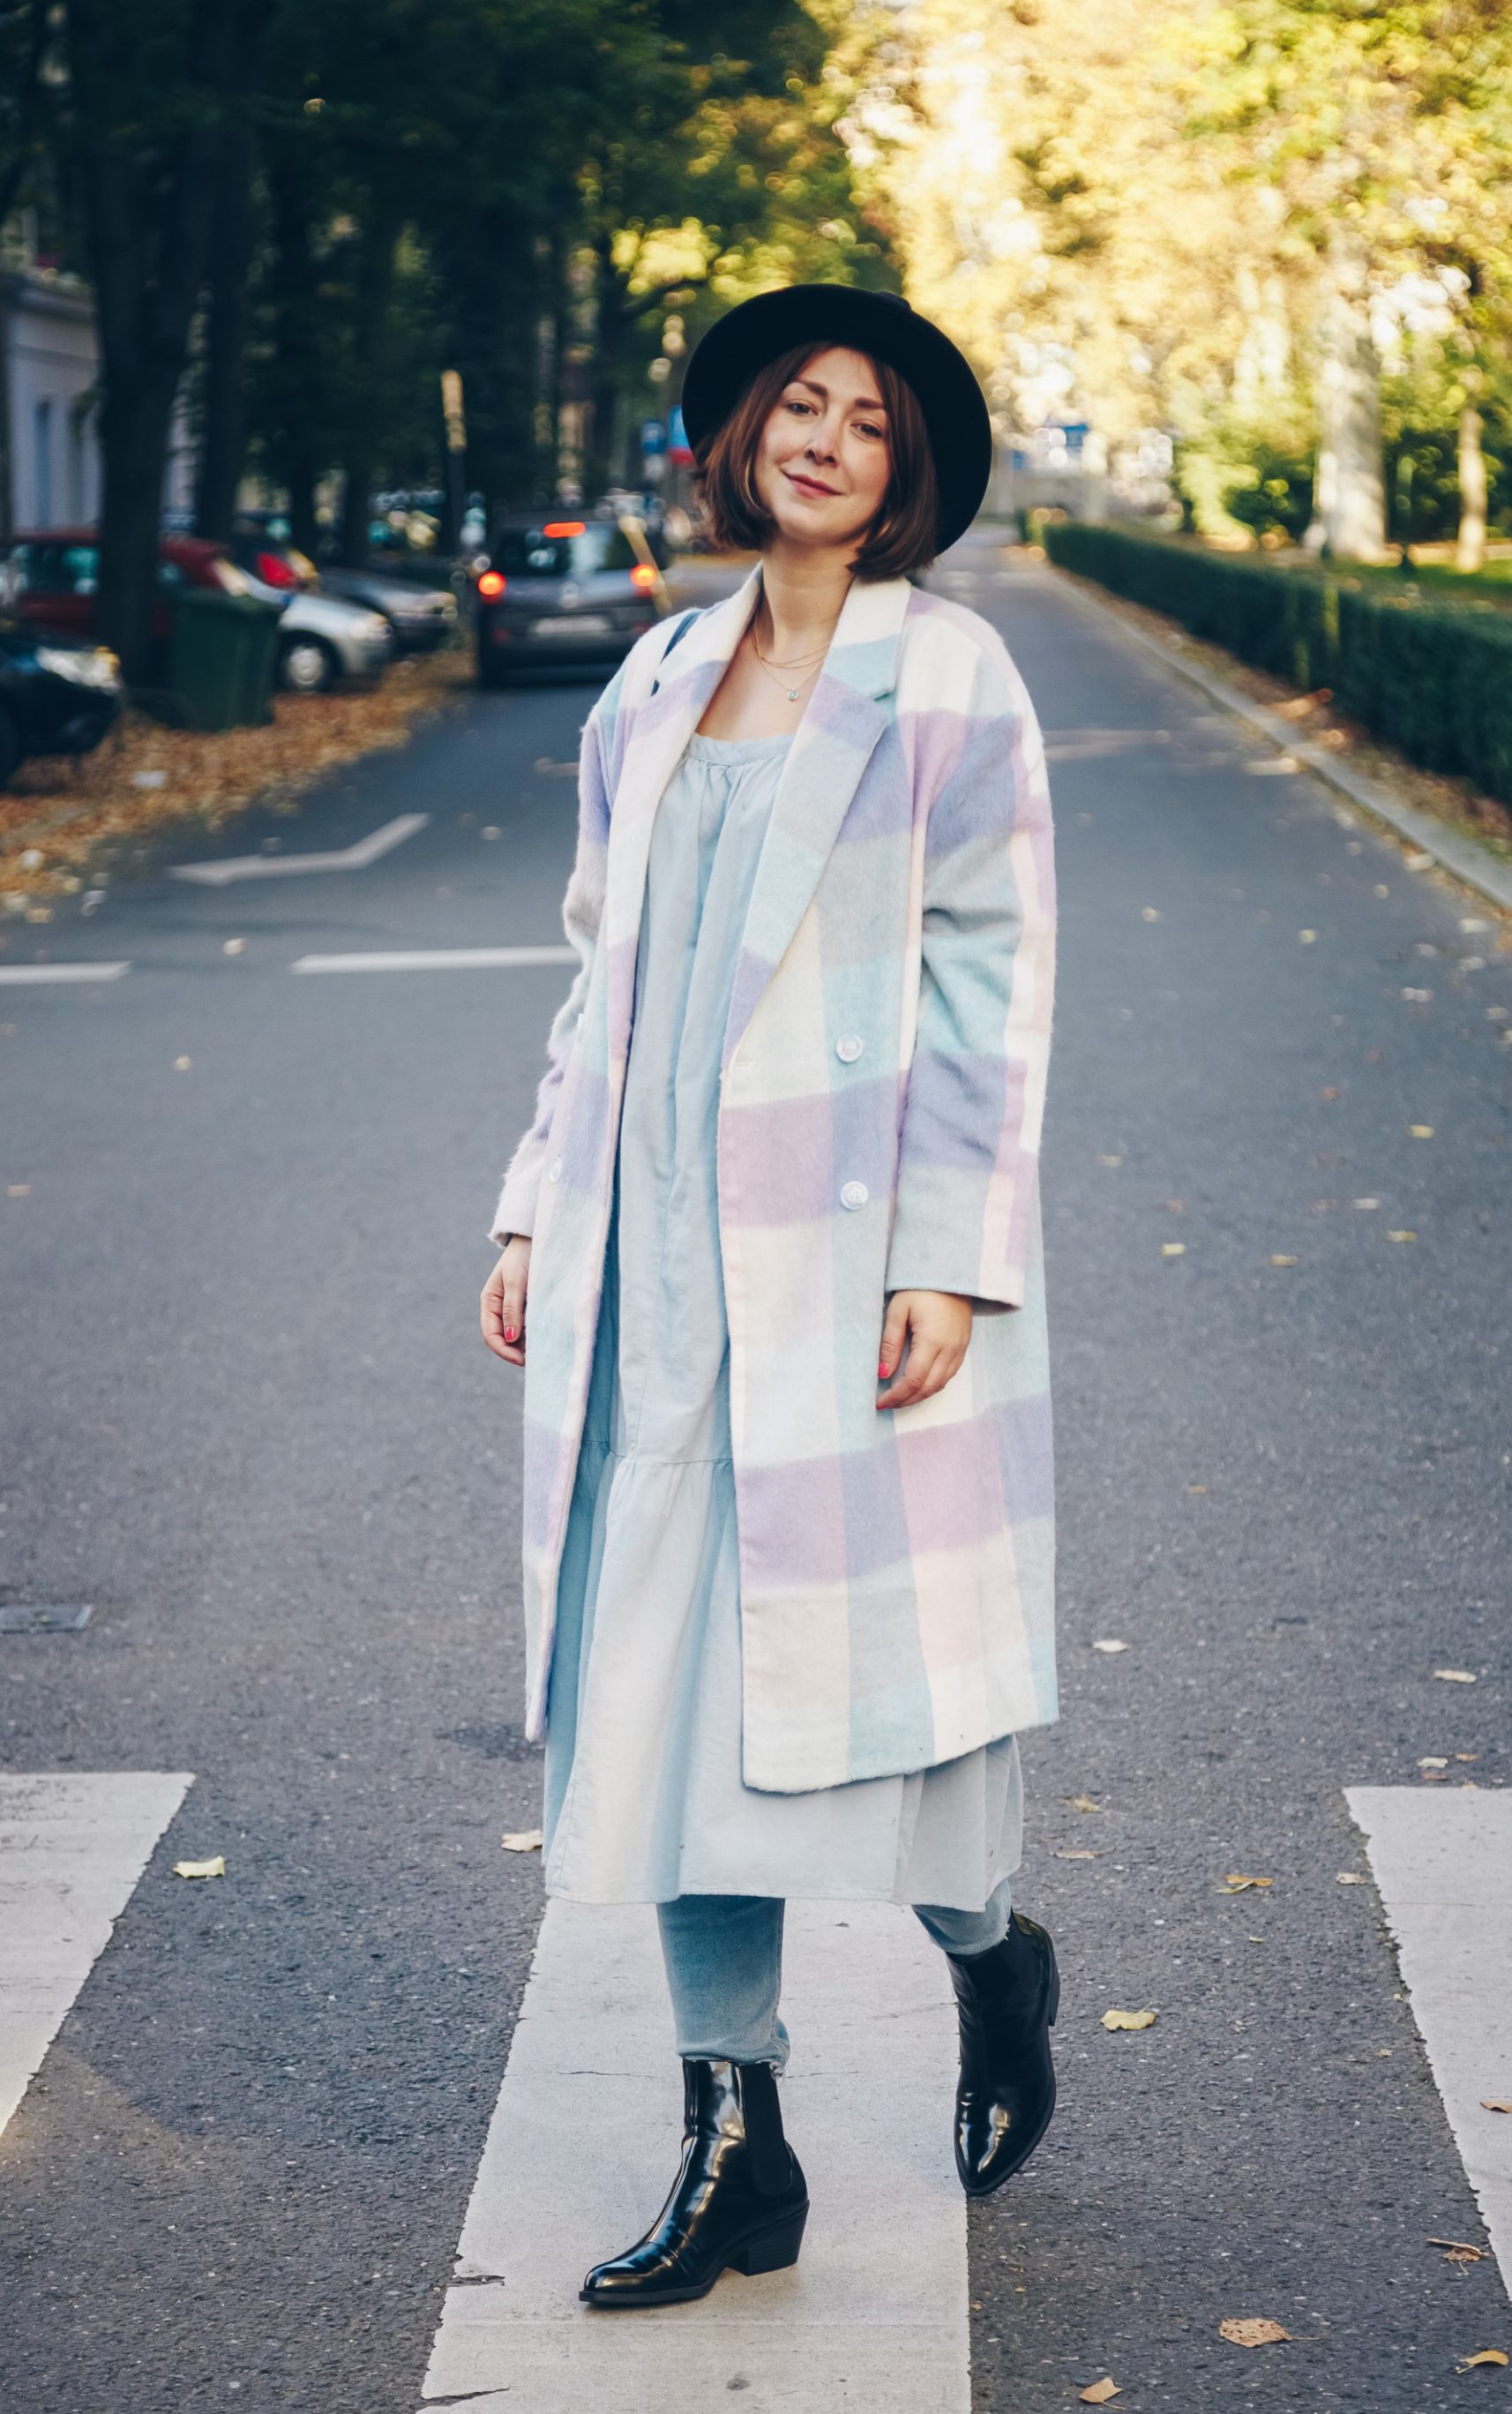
[[559, 592], [56, 695]]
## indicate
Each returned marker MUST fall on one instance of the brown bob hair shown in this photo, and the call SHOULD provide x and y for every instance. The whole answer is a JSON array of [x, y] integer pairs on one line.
[[905, 534]]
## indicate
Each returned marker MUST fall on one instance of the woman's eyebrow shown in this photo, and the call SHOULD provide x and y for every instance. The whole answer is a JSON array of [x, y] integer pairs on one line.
[[861, 402]]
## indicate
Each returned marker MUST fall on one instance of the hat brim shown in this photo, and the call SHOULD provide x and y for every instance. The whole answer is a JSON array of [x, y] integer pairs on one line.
[[955, 419]]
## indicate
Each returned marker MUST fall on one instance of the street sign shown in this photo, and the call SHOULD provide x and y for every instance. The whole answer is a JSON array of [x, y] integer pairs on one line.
[[653, 437], [681, 450]]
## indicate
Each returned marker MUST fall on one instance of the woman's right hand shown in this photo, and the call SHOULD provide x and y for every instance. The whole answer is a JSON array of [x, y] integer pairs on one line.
[[503, 1302]]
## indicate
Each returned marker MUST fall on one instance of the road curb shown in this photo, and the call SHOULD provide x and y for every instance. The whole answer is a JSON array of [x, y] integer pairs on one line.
[[1461, 856]]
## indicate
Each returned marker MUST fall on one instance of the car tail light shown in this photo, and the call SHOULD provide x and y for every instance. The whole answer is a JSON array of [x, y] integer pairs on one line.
[[275, 571], [642, 577], [565, 528], [491, 584]]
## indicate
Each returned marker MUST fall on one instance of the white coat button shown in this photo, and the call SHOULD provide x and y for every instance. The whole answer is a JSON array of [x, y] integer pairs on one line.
[[854, 1194], [848, 1050], [555, 1171]]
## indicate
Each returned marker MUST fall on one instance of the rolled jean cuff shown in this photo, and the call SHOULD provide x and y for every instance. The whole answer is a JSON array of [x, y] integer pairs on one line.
[[723, 1955], [967, 1933]]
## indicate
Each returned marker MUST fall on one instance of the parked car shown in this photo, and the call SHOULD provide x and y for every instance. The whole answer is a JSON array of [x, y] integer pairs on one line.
[[54, 574], [420, 617], [563, 590], [56, 695]]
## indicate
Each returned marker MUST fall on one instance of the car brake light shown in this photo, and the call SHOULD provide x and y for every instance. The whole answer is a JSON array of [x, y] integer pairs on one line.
[[565, 528], [642, 577], [491, 583], [275, 572]]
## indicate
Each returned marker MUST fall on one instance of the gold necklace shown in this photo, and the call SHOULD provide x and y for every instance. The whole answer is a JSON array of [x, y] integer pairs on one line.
[[775, 671]]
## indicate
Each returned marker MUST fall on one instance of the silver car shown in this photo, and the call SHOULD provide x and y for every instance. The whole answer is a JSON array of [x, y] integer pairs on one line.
[[323, 638], [421, 618]]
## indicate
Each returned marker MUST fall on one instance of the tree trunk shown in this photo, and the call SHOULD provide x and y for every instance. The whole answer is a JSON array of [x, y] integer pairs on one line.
[[148, 178], [1351, 481], [375, 289], [295, 290], [1470, 550], [223, 446]]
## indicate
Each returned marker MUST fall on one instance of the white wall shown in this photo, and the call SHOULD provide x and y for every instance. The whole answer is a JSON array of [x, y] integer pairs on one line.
[[54, 447]]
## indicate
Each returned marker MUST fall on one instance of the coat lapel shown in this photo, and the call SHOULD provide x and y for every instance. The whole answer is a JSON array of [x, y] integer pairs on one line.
[[845, 717], [664, 719]]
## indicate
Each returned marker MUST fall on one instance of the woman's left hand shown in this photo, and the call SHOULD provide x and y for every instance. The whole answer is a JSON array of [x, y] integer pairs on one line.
[[937, 1326]]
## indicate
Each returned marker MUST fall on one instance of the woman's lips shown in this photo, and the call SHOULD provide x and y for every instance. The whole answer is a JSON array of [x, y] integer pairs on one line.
[[809, 485]]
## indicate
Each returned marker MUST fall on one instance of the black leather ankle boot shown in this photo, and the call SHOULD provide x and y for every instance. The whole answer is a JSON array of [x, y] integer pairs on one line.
[[1007, 1999], [738, 2204]]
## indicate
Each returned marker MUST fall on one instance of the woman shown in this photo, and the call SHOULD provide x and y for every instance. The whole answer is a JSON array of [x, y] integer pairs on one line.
[[774, 1238]]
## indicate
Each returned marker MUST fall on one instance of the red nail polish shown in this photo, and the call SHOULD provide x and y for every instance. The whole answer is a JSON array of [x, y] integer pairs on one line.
[[509, 1332], [882, 1372]]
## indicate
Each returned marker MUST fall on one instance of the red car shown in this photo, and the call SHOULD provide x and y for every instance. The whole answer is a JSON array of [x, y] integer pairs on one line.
[[50, 577]]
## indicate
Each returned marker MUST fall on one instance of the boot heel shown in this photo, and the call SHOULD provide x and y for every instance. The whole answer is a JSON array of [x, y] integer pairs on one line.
[[1055, 1989], [774, 2251]]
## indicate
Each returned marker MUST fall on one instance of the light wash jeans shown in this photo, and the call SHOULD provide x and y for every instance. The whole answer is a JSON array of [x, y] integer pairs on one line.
[[723, 1954]]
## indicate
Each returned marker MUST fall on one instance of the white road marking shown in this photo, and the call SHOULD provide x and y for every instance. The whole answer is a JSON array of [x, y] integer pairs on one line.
[[875, 2313], [278, 866], [1443, 1862], [72, 1850], [20, 976], [436, 959]]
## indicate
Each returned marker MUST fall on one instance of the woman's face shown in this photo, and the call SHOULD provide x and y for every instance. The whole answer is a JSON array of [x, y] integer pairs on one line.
[[823, 460]]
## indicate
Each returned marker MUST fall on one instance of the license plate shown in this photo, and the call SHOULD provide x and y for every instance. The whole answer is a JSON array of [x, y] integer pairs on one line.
[[573, 625]]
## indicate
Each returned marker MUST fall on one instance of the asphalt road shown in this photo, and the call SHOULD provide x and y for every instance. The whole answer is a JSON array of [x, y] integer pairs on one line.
[[249, 1417]]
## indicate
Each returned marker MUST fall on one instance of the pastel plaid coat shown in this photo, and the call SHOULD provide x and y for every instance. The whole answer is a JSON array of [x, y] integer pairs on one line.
[[883, 1089]]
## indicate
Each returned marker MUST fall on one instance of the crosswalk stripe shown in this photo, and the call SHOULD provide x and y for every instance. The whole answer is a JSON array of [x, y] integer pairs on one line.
[[1441, 1860], [23, 976], [436, 959], [584, 2143], [71, 1850]]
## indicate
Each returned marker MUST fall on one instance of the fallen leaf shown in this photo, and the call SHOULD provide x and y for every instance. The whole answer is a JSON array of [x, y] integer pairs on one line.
[[1380, 888], [1113, 1160], [1454, 1675], [1367, 1206], [1283, 1262], [18, 1189], [1418, 996], [1333, 1090], [1467, 1756], [1081, 1802], [1350, 1877], [1421, 1131], [1237, 1885], [1401, 1236], [234, 947], [1253, 2333], [492, 831], [1456, 2250], [1149, 912], [183, 1064], [1496, 2103], [1471, 924], [1173, 1248], [1108, 1644], [1100, 2392], [215, 1869], [1433, 1777], [1197, 1487], [1417, 863], [530, 1839], [1308, 938], [1487, 2354], [1431, 1762], [1066, 1854], [1128, 2019]]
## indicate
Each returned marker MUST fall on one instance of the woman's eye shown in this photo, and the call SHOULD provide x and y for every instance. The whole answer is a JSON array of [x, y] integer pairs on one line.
[[799, 406], [866, 428]]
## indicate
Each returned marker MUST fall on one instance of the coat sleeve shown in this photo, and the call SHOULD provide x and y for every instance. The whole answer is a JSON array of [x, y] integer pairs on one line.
[[968, 1183], [582, 910]]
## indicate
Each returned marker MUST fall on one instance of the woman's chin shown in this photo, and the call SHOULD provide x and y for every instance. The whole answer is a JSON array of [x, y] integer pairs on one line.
[[808, 524]]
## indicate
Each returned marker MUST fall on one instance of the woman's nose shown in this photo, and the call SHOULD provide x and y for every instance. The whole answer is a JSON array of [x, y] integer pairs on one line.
[[821, 441]]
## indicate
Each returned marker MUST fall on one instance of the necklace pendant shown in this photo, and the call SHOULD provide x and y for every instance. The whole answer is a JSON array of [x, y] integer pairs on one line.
[[793, 695]]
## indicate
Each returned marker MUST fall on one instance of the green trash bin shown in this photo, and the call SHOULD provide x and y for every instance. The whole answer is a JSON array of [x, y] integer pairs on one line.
[[222, 655]]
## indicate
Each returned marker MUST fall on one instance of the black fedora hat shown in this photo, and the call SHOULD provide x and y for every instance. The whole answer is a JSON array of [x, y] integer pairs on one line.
[[881, 325]]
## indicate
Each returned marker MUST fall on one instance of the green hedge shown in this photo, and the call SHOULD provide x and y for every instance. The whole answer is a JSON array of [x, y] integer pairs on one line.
[[1433, 680]]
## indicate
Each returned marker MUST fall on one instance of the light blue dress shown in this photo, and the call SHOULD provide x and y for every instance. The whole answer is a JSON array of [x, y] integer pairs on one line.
[[643, 1795]]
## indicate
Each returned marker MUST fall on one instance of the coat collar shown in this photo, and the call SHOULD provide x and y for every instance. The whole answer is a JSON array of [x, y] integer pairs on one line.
[[845, 716]]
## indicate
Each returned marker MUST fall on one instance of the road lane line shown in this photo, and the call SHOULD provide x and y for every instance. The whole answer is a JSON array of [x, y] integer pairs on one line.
[[436, 959], [71, 1850], [1443, 1862], [357, 857], [874, 2313], [23, 975]]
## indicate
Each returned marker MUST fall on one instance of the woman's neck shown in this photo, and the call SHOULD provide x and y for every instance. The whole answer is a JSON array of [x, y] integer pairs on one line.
[[803, 592]]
